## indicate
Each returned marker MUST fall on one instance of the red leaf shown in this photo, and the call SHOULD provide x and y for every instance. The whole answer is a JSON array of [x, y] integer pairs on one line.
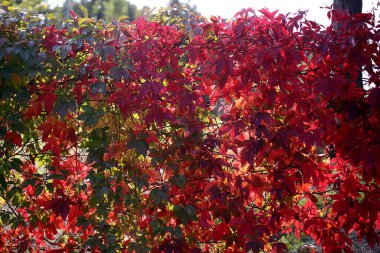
[[329, 86], [62, 209], [374, 98], [56, 251], [220, 231], [72, 13], [14, 138], [223, 80], [268, 14], [280, 248], [48, 99], [74, 213]]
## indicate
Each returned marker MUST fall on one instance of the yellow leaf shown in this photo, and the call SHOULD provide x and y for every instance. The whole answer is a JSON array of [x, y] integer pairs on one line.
[[84, 10]]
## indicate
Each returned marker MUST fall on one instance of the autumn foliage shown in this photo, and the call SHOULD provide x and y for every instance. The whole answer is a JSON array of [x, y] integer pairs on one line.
[[165, 135]]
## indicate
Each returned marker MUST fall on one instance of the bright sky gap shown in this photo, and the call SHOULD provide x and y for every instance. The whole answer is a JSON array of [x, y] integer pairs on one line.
[[227, 8]]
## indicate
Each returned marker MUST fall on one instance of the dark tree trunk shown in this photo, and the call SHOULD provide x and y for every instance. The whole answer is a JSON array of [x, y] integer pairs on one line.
[[353, 7], [67, 6]]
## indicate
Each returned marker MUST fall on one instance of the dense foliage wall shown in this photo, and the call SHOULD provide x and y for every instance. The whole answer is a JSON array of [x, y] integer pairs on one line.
[[188, 136]]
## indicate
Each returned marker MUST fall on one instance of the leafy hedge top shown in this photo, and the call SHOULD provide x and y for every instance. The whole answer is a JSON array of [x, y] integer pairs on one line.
[[187, 136]]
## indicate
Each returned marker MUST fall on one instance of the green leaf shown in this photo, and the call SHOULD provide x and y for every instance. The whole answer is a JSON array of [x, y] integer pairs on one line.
[[38, 190], [138, 248], [16, 200], [111, 239], [24, 53], [175, 231], [180, 181], [30, 181], [63, 53], [5, 217], [178, 232], [82, 221], [63, 108], [99, 87], [3, 131], [185, 214], [22, 96], [3, 182], [140, 145], [157, 227], [159, 195], [107, 51], [141, 182], [50, 187], [56, 48], [99, 192], [56, 176], [11, 192], [16, 164], [90, 116], [190, 210]]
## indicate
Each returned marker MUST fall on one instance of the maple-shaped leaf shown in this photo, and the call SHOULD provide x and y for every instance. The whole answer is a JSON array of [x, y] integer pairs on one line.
[[14, 138], [48, 100], [74, 212], [63, 209], [153, 88], [140, 146], [254, 246], [59, 206], [329, 86], [63, 107], [220, 231]]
